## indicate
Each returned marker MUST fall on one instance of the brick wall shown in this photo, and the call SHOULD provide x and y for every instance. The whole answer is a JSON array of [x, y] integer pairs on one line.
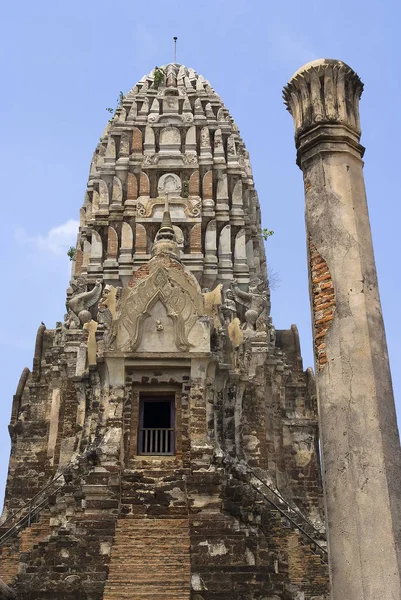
[[150, 559], [144, 187], [132, 187], [136, 142], [194, 184], [195, 241], [323, 302], [140, 239], [207, 186], [112, 243]]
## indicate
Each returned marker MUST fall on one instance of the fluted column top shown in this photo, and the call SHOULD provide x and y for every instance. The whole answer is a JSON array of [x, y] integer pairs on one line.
[[324, 92]]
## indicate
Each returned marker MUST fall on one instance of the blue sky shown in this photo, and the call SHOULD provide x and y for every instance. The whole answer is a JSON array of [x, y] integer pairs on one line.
[[63, 63]]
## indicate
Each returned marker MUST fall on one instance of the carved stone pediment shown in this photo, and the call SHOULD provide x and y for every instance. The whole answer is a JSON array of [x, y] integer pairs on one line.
[[161, 313]]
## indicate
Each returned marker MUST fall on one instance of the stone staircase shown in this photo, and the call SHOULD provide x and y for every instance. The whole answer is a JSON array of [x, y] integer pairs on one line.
[[291, 516], [150, 559]]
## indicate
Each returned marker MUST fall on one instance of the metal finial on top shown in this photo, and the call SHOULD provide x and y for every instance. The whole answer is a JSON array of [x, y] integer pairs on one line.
[[175, 48]]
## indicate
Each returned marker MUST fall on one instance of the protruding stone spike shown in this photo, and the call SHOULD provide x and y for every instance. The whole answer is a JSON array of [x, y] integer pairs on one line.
[[155, 108], [218, 153], [132, 112], [209, 112]]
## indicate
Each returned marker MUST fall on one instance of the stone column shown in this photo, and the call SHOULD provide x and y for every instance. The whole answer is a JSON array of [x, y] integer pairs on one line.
[[360, 442]]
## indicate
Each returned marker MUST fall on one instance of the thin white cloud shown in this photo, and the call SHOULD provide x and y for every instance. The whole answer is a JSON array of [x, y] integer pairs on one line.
[[144, 41], [288, 45], [56, 241], [293, 47]]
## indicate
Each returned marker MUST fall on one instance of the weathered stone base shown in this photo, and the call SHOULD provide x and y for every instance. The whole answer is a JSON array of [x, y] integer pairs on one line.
[[177, 535]]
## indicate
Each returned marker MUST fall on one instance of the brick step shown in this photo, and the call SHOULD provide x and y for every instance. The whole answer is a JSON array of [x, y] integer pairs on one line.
[[159, 521], [179, 561], [171, 575], [154, 594], [156, 590], [155, 556], [170, 583], [153, 542], [152, 532], [151, 474], [149, 591], [155, 560], [149, 559], [173, 584], [126, 569], [143, 534]]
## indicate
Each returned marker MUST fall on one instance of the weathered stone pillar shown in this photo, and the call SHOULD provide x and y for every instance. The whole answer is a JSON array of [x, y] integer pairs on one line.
[[360, 442]]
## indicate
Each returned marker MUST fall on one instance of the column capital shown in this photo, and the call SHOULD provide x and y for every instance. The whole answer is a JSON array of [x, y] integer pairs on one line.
[[323, 99]]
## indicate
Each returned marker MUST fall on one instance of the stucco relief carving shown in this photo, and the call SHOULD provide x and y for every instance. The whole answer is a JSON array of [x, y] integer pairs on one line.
[[149, 159], [163, 287], [256, 301], [191, 206], [190, 159], [81, 301], [106, 316]]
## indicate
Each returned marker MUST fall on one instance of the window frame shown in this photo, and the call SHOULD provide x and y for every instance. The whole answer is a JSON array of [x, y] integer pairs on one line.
[[157, 396]]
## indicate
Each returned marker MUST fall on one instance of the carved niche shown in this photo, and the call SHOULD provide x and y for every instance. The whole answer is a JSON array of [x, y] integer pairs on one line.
[[169, 184]]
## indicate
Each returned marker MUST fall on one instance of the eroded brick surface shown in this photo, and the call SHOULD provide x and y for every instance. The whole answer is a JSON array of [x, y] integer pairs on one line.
[[150, 559], [324, 302]]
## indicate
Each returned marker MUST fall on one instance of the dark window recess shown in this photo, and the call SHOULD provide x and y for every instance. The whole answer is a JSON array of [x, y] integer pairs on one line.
[[156, 425]]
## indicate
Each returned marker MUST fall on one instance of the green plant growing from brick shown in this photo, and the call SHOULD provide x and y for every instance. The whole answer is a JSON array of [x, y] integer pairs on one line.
[[158, 77], [266, 233], [71, 253]]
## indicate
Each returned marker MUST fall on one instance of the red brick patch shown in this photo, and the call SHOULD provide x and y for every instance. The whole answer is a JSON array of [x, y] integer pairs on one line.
[[132, 187], [136, 142], [323, 302]]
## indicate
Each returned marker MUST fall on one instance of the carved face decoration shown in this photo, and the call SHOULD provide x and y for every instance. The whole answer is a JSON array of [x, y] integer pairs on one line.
[[256, 286], [78, 285]]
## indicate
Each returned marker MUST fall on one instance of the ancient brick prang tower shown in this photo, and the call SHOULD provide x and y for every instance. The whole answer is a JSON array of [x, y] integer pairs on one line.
[[164, 444]]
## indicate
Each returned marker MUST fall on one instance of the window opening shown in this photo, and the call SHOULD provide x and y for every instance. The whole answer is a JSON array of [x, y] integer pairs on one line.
[[156, 425]]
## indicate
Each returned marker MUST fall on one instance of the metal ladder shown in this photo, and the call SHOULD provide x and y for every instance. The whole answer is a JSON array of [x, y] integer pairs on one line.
[[30, 509], [291, 516], [38, 502]]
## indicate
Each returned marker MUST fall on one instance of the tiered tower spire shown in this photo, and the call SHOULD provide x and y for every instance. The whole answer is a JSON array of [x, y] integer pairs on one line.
[[171, 135]]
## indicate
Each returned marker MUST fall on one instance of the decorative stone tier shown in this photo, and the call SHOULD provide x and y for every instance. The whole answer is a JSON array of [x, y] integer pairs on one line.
[[171, 138]]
